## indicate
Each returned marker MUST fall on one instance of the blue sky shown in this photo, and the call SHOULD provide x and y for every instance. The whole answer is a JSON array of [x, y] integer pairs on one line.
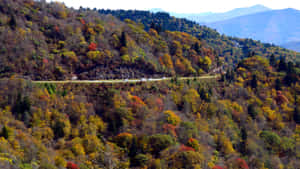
[[181, 6]]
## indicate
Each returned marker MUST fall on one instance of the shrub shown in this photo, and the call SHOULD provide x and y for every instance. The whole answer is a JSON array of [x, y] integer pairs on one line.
[[271, 139], [91, 144], [70, 55], [124, 140], [159, 142], [186, 159], [191, 99], [186, 131], [237, 163], [140, 160], [95, 55], [194, 144], [172, 118]]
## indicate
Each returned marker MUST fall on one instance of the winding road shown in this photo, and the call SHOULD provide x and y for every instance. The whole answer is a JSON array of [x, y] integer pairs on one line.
[[127, 80]]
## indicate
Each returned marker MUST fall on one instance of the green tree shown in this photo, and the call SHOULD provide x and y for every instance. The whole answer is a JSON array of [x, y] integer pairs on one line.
[[282, 66], [159, 142], [278, 84], [271, 139], [123, 39], [140, 160], [252, 111], [272, 60], [21, 108], [297, 114], [253, 82], [4, 132], [12, 22]]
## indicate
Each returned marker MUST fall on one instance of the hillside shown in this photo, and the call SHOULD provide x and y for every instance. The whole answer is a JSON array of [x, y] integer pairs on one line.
[[247, 118], [51, 42], [276, 26], [228, 49], [44, 41]]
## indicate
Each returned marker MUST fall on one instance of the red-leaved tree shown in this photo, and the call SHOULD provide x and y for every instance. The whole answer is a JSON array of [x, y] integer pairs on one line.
[[217, 167], [92, 46], [71, 165]]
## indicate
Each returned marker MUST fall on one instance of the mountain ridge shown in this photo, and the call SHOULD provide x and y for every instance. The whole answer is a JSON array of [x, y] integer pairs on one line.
[[276, 26], [209, 17]]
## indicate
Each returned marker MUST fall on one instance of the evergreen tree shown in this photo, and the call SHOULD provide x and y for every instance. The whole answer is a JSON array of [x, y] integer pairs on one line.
[[297, 114], [291, 76], [290, 67], [134, 147], [13, 23], [278, 84], [123, 39], [296, 111], [253, 82], [197, 47], [244, 137], [272, 60], [4, 132], [282, 64], [22, 107], [251, 111]]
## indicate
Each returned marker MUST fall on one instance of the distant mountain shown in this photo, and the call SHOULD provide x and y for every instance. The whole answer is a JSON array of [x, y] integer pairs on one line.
[[292, 45], [155, 10], [276, 26], [215, 17], [181, 15]]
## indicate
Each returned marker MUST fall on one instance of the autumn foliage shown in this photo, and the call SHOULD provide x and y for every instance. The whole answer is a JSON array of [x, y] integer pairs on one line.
[[245, 118], [217, 167], [186, 148], [92, 46], [71, 165]]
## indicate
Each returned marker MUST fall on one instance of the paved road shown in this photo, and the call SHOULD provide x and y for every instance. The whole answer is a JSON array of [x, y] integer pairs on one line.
[[127, 80]]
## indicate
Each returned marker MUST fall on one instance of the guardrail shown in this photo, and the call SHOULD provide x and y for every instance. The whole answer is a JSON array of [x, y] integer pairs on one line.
[[128, 80]]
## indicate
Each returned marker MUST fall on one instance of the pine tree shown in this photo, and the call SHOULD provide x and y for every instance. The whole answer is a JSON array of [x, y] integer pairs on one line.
[[278, 84], [296, 111], [4, 132], [123, 39], [13, 22], [272, 60], [282, 64], [253, 82]]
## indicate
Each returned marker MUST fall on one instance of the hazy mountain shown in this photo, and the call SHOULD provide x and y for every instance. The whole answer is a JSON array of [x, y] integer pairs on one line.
[[215, 17], [181, 15], [276, 26], [295, 45]]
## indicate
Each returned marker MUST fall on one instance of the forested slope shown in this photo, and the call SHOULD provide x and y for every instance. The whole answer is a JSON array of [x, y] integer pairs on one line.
[[248, 119], [228, 48], [49, 41]]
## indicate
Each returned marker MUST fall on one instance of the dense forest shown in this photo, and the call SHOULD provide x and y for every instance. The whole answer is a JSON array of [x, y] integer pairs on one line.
[[49, 41], [228, 48], [247, 118], [45, 41]]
